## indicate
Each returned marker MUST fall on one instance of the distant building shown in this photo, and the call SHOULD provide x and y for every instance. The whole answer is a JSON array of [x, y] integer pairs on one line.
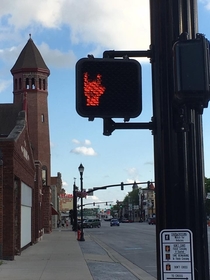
[[65, 202], [56, 184], [147, 203]]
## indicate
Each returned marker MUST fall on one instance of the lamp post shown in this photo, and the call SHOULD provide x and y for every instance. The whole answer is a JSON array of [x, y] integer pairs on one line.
[[81, 170], [74, 228]]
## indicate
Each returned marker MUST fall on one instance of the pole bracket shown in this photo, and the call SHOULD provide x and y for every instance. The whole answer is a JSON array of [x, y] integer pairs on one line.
[[110, 126]]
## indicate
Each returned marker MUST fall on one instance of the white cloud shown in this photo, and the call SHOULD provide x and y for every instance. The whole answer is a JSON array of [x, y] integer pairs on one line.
[[82, 148], [206, 3], [21, 13], [56, 58], [132, 171], [75, 141], [84, 151], [89, 21], [53, 58], [64, 184], [118, 24], [87, 142], [104, 23]]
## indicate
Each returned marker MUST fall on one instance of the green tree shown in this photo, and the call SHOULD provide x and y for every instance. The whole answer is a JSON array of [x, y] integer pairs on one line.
[[114, 209], [133, 196]]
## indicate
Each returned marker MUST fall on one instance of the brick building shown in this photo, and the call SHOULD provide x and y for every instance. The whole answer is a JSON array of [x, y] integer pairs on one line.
[[56, 184], [25, 176]]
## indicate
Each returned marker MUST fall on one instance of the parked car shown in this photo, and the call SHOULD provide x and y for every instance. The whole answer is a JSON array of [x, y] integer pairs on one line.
[[124, 220], [107, 219], [114, 222], [152, 221], [90, 223]]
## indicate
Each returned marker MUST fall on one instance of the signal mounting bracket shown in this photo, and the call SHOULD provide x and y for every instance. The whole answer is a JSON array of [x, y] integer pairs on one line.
[[110, 126]]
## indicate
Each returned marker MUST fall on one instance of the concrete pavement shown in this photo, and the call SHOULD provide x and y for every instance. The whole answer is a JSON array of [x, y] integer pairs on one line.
[[60, 256], [56, 256]]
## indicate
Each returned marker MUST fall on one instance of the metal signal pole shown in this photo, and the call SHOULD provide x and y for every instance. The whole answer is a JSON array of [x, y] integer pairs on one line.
[[178, 143]]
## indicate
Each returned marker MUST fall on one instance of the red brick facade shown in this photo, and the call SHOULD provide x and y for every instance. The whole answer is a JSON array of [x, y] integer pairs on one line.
[[25, 156], [18, 166]]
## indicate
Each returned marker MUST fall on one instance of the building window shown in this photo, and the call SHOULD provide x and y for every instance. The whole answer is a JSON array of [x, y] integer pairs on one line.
[[44, 85], [33, 86], [42, 118], [27, 83], [20, 83], [44, 176], [40, 83]]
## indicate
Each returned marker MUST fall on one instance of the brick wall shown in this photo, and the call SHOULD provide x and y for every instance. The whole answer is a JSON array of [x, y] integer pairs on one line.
[[46, 209], [18, 166], [8, 201]]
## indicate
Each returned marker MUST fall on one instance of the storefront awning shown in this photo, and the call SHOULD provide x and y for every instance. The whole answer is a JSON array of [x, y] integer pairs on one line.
[[53, 211]]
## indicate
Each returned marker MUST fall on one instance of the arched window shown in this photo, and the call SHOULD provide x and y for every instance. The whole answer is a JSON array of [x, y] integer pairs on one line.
[[33, 86], [44, 84], [27, 83]]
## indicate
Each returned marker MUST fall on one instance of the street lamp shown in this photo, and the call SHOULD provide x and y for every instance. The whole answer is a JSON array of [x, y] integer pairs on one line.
[[74, 228], [81, 170]]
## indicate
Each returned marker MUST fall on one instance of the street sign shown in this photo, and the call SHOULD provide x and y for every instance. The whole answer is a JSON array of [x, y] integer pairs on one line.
[[176, 254]]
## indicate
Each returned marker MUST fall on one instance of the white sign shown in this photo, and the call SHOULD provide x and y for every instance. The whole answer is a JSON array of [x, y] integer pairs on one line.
[[176, 249]]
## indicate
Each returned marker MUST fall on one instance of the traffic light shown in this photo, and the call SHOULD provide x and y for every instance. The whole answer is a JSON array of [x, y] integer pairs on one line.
[[108, 88], [122, 186]]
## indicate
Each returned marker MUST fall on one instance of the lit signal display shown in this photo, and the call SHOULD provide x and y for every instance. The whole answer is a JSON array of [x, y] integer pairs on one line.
[[108, 88], [93, 90]]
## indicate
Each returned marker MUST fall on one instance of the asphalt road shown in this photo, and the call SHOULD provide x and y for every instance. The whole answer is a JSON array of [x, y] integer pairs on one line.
[[136, 242], [133, 241]]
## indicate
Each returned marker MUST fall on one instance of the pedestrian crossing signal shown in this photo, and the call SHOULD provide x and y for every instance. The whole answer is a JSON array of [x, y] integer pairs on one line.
[[108, 88]]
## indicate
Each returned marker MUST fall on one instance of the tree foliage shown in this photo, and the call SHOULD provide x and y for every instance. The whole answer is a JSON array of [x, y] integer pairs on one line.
[[132, 197]]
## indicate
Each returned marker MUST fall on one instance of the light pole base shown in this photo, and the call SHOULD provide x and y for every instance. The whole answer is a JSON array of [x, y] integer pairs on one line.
[[82, 237]]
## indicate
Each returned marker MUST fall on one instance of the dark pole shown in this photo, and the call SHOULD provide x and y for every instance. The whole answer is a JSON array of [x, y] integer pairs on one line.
[[178, 147], [81, 170], [1, 205], [74, 228]]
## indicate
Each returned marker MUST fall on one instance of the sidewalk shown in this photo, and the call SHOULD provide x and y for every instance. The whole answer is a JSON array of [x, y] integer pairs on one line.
[[57, 256]]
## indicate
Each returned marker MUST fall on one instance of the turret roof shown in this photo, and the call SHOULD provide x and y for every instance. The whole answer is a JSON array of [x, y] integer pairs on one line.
[[30, 58]]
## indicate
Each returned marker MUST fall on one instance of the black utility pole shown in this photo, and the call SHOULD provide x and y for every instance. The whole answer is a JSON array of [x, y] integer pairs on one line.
[[81, 170], [74, 227], [178, 143]]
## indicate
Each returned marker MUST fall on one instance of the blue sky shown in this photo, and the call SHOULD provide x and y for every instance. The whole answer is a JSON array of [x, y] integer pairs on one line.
[[65, 31]]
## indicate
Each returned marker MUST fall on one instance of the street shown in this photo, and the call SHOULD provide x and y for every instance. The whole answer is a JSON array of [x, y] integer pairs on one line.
[[134, 241]]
